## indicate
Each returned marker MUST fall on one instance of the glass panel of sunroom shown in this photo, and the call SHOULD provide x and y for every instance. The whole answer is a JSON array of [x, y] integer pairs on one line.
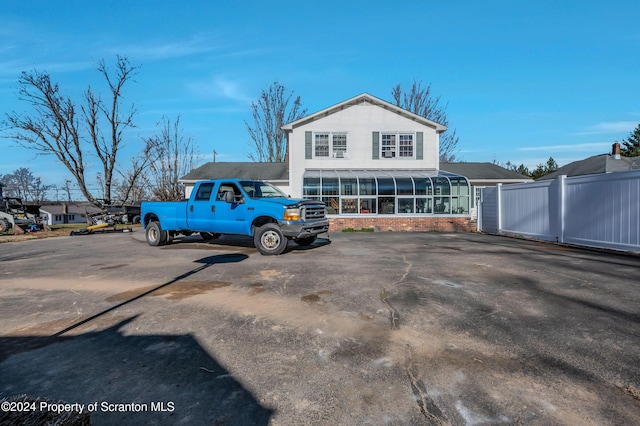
[[330, 191], [386, 186], [459, 186], [441, 205], [405, 205], [349, 205], [311, 186], [348, 183], [423, 186], [441, 186], [368, 205], [404, 186], [423, 205]]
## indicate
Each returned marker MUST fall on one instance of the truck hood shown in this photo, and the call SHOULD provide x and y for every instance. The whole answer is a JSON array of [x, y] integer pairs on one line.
[[290, 202]]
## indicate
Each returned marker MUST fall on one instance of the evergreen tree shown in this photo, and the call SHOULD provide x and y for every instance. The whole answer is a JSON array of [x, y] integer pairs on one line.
[[631, 146]]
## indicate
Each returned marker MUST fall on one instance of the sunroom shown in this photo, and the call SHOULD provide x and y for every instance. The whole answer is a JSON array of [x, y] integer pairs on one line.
[[388, 192]]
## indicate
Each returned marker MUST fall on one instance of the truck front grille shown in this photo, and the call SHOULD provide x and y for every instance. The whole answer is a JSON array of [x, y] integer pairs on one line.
[[311, 213]]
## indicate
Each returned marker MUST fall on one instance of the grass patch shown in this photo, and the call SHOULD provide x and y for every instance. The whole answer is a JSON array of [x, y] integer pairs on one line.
[[358, 230]]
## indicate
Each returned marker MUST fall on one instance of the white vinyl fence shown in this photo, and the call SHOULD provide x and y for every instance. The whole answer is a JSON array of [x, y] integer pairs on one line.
[[601, 210]]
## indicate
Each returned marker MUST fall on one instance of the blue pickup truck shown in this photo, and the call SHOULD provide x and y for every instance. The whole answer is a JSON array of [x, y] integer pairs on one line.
[[236, 206]]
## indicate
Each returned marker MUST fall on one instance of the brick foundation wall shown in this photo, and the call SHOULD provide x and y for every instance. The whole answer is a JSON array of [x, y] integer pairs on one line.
[[416, 224]]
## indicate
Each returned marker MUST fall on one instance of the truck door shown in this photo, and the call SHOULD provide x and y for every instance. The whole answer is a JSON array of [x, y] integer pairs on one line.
[[201, 210], [230, 218]]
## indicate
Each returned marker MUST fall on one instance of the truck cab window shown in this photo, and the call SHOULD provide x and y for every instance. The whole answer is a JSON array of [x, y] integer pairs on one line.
[[224, 188], [204, 192]]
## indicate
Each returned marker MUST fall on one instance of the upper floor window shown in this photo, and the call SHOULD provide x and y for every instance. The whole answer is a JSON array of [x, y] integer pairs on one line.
[[322, 145], [330, 145], [399, 145]]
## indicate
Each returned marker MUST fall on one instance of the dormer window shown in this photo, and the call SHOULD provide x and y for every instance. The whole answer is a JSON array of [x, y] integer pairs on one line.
[[330, 145]]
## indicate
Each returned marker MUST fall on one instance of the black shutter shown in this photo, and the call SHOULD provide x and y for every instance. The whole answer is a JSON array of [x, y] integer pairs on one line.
[[375, 150], [419, 146], [308, 145]]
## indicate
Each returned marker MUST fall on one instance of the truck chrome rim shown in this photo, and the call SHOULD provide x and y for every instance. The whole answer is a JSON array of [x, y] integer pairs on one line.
[[153, 235], [270, 239]]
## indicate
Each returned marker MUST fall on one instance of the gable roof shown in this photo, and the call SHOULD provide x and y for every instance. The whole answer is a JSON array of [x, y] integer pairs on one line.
[[364, 99], [71, 209], [603, 163], [484, 172], [243, 170]]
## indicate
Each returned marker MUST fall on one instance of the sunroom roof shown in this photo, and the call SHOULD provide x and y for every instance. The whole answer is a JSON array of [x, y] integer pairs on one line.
[[378, 173]]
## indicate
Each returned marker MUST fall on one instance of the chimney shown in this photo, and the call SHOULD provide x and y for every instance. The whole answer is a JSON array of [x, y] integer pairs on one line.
[[615, 150], [65, 209]]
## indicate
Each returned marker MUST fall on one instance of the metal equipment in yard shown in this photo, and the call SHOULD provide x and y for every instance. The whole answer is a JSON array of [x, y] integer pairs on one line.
[[103, 222], [15, 219]]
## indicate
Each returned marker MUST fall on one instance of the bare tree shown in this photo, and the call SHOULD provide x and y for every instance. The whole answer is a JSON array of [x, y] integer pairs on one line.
[[419, 100], [67, 189], [175, 156], [23, 184], [133, 184], [270, 112], [59, 127]]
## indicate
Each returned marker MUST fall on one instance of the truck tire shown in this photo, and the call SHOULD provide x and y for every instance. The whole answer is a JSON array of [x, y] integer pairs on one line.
[[305, 241], [155, 235], [136, 219], [269, 239]]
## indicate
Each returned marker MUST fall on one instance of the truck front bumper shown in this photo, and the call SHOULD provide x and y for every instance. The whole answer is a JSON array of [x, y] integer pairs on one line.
[[296, 229]]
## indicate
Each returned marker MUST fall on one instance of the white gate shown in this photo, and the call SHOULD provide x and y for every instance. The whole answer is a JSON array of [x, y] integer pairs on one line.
[[601, 210]]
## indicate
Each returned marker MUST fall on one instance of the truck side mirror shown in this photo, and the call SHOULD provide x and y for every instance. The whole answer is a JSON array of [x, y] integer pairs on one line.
[[229, 196]]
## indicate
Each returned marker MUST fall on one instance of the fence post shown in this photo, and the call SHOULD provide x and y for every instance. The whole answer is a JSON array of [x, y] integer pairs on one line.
[[561, 194], [499, 207]]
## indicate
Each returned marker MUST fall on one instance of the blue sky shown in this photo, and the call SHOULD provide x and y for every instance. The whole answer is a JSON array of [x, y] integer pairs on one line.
[[524, 80]]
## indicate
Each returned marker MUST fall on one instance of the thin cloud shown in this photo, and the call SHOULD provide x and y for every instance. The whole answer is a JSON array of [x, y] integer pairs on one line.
[[610, 127], [161, 51], [568, 147], [221, 87]]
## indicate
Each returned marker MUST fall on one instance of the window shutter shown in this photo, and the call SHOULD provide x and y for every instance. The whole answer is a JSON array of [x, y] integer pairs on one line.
[[419, 146], [376, 146], [308, 145]]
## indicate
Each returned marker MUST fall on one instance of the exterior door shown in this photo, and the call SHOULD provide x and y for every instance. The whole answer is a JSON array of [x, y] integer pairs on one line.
[[201, 210], [230, 218]]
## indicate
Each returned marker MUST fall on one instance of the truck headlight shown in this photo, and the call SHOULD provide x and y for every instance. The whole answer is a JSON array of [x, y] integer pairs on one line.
[[292, 214]]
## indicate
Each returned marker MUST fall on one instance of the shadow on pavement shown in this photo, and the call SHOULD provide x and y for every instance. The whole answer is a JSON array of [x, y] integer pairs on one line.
[[130, 379], [237, 241], [165, 379]]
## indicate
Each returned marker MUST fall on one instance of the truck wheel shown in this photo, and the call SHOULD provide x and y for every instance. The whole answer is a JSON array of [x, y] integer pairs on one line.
[[136, 219], [209, 235], [269, 239], [155, 235], [305, 241]]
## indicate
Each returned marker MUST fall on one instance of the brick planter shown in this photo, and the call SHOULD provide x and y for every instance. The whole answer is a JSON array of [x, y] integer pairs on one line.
[[416, 224]]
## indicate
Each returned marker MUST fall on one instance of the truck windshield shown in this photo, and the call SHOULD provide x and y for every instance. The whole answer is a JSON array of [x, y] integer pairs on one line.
[[257, 189]]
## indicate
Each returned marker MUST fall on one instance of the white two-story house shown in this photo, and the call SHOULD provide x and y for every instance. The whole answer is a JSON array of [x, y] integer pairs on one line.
[[372, 162]]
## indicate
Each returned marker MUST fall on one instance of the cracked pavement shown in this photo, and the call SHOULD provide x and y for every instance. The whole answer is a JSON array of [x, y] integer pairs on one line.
[[364, 328]]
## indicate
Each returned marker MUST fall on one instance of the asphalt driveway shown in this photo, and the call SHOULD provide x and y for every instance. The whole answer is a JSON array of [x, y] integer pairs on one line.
[[362, 328]]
